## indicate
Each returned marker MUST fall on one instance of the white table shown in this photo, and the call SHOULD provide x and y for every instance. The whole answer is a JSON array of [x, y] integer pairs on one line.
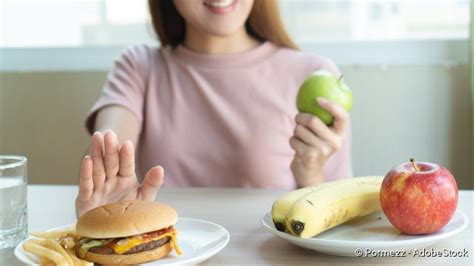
[[239, 210]]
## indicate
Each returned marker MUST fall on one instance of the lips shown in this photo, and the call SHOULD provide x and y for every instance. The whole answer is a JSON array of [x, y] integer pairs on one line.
[[218, 3], [220, 6]]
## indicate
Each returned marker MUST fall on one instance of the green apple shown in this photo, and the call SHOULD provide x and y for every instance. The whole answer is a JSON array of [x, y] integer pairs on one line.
[[325, 85]]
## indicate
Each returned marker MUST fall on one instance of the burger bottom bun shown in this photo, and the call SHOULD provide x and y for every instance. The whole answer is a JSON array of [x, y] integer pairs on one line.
[[135, 258]]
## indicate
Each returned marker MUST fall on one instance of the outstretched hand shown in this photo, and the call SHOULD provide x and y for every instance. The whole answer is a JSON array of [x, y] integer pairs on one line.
[[108, 175]]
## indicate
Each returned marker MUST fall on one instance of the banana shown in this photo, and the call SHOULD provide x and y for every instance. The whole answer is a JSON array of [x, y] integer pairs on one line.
[[333, 204], [282, 205]]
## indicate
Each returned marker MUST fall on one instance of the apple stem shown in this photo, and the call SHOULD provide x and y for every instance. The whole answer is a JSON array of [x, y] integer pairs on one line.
[[414, 164], [340, 78]]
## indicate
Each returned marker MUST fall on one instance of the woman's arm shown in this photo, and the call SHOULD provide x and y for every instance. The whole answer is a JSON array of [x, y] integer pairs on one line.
[[120, 120], [108, 172]]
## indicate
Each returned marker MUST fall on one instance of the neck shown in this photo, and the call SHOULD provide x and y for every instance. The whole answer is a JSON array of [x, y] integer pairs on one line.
[[212, 44]]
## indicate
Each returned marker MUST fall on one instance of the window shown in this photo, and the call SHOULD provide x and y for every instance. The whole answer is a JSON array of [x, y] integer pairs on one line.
[[39, 23], [72, 23], [361, 20]]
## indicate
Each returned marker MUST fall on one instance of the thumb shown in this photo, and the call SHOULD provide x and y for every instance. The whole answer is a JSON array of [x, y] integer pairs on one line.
[[151, 183]]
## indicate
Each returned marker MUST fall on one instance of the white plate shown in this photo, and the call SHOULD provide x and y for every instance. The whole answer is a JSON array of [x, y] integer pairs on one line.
[[198, 239], [373, 232]]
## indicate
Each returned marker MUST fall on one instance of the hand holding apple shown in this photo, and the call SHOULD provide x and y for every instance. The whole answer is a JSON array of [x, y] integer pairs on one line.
[[419, 198], [314, 142], [323, 84]]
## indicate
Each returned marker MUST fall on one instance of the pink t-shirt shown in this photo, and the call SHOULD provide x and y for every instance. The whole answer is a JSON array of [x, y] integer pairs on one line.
[[216, 120]]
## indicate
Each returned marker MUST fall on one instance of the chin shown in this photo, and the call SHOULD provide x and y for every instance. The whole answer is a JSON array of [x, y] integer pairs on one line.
[[222, 31]]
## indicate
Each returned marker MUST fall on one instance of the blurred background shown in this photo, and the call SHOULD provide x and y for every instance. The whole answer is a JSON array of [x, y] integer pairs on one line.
[[408, 63]]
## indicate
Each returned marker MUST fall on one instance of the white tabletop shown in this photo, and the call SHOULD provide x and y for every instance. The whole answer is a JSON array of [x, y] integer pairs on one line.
[[240, 211]]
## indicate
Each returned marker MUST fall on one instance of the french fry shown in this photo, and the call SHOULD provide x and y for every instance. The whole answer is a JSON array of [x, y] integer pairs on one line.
[[67, 242], [78, 261], [44, 261], [75, 259], [54, 245], [47, 253]]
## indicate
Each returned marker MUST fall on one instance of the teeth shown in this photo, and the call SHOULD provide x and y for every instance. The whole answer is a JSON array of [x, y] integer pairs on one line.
[[221, 3]]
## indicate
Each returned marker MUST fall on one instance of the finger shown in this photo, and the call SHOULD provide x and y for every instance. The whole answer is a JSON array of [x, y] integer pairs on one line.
[[310, 153], [341, 116], [306, 135], [297, 145], [151, 183], [111, 154], [127, 160], [304, 151], [316, 126], [97, 155], [86, 185]]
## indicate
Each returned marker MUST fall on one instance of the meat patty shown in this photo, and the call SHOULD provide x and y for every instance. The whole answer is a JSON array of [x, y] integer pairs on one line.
[[148, 246], [107, 249]]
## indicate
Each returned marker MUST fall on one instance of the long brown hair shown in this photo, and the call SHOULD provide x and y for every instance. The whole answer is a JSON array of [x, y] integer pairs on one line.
[[264, 23]]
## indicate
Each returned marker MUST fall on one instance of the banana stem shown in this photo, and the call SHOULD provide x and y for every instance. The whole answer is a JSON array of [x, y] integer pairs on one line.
[[417, 169], [280, 226], [297, 227]]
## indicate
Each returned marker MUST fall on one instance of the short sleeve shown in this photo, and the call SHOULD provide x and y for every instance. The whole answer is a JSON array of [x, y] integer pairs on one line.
[[125, 85]]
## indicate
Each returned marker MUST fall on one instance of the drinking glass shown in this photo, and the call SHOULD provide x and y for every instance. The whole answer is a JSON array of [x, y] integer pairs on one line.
[[13, 207]]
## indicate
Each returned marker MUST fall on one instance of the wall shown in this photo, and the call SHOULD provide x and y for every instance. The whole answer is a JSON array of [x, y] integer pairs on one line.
[[411, 111], [471, 39], [399, 112], [41, 117]]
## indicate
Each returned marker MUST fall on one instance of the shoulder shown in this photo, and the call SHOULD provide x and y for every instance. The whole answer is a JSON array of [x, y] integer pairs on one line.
[[139, 56], [140, 52], [139, 60], [306, 61]]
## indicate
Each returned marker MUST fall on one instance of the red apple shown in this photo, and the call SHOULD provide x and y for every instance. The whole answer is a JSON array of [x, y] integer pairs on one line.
[[419, 198]]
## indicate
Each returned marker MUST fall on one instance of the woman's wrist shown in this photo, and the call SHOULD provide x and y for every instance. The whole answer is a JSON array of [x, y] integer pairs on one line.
[[310, 181], [306, 177]]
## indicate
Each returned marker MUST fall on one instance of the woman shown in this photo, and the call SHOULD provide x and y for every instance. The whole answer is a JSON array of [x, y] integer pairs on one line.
[[215, 106]]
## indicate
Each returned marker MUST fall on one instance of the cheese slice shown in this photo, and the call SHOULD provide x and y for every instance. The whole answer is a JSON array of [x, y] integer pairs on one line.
[[120, 249]]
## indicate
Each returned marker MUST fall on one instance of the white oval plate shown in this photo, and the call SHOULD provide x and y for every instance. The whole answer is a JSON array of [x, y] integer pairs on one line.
[[372, 232], [198, 239]]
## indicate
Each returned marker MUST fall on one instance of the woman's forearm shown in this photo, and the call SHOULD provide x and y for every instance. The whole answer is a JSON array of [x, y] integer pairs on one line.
[[120, 120]]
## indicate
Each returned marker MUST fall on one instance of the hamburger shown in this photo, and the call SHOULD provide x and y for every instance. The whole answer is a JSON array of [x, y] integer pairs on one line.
[[129, 232]]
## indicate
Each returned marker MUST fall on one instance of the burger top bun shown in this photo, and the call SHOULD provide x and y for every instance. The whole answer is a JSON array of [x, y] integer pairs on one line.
[[124, 219]]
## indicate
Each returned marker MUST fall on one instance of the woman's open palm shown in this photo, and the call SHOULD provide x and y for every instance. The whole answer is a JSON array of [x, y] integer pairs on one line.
[[108, 175]]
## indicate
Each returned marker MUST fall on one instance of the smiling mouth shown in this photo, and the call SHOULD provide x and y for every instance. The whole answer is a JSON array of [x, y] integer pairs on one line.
[[219, 3]]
